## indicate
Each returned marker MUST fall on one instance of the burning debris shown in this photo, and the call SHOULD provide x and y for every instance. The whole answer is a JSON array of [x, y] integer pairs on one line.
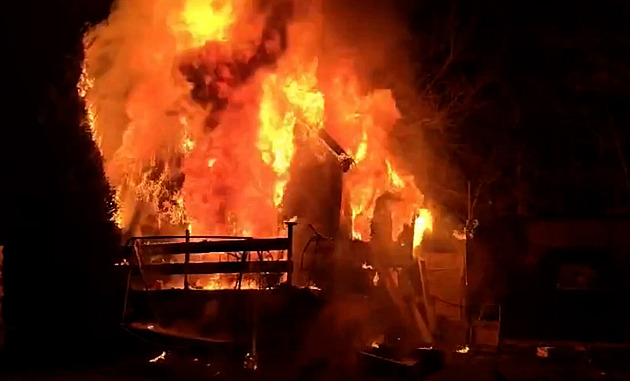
[[160, 357], [463, 349]]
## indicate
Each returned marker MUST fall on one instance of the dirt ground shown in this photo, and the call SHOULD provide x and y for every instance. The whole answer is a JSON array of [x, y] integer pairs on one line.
[[521, 366]]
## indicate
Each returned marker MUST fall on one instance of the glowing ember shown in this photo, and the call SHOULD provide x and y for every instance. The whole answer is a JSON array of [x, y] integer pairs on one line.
[[159, 358], [463, 349]]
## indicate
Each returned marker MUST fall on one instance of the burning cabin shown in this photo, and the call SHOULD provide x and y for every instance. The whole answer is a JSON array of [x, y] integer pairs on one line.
[[217, 122]]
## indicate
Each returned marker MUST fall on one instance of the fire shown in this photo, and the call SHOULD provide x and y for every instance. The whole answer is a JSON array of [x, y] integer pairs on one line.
[[423, 222], [463, 349], [361, 151], [86, 82], [203, 106], [275, 136], [394, 178], [205, 20], [303, 95]]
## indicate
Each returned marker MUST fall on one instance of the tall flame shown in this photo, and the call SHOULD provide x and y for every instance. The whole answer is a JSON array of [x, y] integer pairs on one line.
[[275, 136], [423, 223], [203, 104]]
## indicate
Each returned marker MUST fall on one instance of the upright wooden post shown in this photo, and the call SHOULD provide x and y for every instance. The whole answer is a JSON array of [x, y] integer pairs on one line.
[[186, 260], [290, 226]]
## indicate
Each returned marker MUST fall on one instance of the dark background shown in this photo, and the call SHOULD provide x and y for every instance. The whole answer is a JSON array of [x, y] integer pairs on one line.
[[531, 108]]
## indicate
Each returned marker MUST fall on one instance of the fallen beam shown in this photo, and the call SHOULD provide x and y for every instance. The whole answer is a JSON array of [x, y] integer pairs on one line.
[[344, 158]]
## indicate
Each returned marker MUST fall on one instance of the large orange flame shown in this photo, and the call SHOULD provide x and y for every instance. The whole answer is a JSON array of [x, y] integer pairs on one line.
[[213, 149]]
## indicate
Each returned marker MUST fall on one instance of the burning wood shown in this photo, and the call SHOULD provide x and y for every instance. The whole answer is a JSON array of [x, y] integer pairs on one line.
[[345, 159]]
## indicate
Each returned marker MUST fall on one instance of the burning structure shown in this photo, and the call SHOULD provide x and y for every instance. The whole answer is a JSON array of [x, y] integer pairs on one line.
[[227, 118]]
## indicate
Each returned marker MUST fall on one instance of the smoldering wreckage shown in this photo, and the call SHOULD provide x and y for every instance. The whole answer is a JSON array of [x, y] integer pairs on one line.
[[266, 219]]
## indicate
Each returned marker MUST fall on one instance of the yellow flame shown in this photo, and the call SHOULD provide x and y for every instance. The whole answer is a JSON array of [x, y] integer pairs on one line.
[[357, 211], [206, 20], [275, 135], [362, 149], [395, 180], [141, 103], [302, 93], [161, 357], [188, 144], [278, 193], [86, 82], [463, 349], [278, 115], [424, 222]]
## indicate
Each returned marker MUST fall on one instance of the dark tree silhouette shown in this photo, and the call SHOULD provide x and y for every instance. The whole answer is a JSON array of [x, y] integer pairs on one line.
[[60, 243]]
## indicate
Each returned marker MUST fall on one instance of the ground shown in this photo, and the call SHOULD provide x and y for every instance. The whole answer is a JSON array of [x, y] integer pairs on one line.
[[522, 365]]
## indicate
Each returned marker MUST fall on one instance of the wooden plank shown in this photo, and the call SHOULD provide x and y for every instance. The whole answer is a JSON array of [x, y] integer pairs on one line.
[[220, 267], [224, 246]]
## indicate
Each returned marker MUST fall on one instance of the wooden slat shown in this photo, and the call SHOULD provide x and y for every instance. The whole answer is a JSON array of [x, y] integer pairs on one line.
[[220, 267], [254, 244]]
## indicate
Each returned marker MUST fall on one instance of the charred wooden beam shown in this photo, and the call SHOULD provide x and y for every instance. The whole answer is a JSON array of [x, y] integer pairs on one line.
[[345, 159], [221, 267]]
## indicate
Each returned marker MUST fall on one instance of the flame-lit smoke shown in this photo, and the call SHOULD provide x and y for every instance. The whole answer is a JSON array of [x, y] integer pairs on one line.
[[199, 108]]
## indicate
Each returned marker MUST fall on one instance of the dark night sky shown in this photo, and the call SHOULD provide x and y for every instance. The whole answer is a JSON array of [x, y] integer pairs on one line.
[[543, 87]]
